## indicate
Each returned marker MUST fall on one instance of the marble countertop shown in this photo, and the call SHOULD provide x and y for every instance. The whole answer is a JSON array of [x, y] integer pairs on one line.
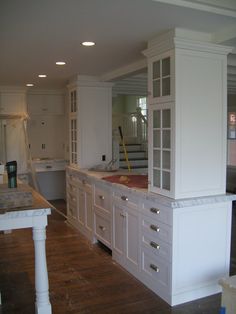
[[150, 196]]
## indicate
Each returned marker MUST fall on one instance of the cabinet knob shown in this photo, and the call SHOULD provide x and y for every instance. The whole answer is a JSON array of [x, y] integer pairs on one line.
[[101, 197], [155, 210], [102, 228], [155, 268], [124, 198], [155, 245], [155, 228]]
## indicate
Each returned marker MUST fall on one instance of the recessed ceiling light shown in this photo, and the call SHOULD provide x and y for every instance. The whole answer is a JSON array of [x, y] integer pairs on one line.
[[60, 63], [88, 43], [29, 84], [42, 75]]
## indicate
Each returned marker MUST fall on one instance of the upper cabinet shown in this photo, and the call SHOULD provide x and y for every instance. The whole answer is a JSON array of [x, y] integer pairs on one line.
[[12, 101], [187, 77], [46, 103], [161, 78], [90, 117]]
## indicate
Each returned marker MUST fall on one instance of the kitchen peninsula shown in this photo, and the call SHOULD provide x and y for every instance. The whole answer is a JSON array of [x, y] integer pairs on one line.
[[177, 248], [35, 217]]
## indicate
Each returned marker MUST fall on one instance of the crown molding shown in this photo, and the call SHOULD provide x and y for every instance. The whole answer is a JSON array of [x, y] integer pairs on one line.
[[225, 8]]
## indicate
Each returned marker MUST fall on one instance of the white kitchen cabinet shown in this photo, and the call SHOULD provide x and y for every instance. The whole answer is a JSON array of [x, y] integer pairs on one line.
[[187, 76], [46, 103], [90, 119], [125, 249], [160, 149], [177, 248], [79, 203], [12, 101], [161, 82], [103, 213]]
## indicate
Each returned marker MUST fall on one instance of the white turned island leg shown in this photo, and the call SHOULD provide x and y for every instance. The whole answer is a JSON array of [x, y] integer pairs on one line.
[[42, 305]]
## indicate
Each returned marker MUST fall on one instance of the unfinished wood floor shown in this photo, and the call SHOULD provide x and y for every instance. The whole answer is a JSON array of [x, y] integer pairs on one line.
[[83, 278]]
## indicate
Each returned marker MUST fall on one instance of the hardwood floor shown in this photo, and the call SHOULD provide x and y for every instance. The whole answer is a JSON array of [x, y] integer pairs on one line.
[[83, 277]]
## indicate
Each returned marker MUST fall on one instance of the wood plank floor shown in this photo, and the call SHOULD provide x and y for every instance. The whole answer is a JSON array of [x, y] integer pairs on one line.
[[83, 278]]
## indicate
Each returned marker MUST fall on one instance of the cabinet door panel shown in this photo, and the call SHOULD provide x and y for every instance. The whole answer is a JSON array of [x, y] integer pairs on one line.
[[118, 227], [132, 238], [81, 208], [89, 211]]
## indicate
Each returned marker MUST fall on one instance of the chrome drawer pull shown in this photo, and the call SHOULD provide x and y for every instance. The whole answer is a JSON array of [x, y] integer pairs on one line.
[[154, 267], [155, 245], [123, 215], [124, 198], [155, 210], [102, 228], [101, 197], [155, 228]]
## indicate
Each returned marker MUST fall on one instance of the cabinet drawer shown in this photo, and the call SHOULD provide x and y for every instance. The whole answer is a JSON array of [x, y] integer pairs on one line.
[[102, 198], [156, 246], [157, 229], [156, 270], [156, 211], [102, 229], [126, 199]]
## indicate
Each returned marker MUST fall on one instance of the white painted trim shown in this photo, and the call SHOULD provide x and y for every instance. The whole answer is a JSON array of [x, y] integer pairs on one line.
[[225, 34], [207, 7], [126, 70], [12, 89]]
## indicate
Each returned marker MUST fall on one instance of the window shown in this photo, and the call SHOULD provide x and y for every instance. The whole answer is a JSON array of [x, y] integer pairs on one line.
[[142, 104]]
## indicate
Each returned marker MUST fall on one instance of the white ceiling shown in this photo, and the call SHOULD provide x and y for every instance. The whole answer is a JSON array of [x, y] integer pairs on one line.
[[34, 34]]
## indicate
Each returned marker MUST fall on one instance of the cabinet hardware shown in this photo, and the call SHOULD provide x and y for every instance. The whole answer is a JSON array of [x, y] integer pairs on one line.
[[155, 245], [124, 198], [123, 215], [155, 228], [102, 228], [83, 181], [155, 210], [154, 267], [48, 167], [101, 197]]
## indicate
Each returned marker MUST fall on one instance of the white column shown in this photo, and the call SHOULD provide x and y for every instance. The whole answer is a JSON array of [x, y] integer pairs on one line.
[[42, 305]]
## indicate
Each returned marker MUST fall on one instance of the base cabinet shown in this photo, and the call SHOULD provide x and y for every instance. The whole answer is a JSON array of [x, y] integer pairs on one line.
[[125, 248], [79, 203], [178, 249], [103, 214]]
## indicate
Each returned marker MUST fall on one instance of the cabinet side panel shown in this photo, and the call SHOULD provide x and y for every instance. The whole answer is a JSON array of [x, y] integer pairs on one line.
[[201, 247], [200, 124]]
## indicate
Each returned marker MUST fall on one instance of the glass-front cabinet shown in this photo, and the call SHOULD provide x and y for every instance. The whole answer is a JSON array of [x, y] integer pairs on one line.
[[161, 79], [73, 127], [160, 149]]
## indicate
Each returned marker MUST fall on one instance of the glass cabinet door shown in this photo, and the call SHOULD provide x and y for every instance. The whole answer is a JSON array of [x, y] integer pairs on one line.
[[161, 148], [73, 127], [161, 78]]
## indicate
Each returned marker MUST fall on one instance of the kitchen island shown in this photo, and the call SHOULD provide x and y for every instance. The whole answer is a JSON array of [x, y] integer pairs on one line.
[[179, 248], [35, 217]]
